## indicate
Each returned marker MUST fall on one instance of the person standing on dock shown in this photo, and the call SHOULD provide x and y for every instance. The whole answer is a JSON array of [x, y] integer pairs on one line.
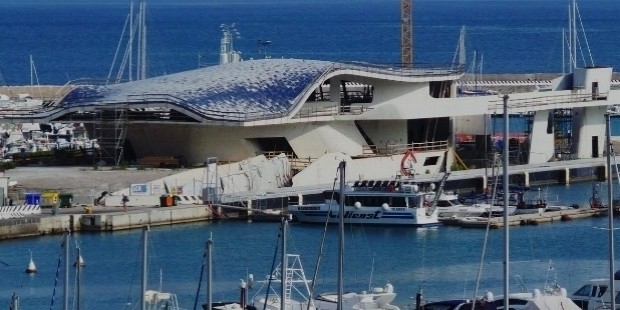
[[124, 201]]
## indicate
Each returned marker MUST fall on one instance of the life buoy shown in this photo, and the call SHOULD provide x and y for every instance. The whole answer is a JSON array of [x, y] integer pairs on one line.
[[391, 188], [426, 203], [595, 203], [405, 165]]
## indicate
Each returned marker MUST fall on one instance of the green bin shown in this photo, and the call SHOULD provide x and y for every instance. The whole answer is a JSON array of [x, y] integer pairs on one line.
[[66, 200]]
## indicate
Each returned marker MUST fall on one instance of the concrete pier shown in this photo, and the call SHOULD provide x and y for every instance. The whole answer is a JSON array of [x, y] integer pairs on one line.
[[525, 219], [101, 219]]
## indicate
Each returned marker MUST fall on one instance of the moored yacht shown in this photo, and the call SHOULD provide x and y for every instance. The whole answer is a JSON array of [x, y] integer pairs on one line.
[[595, 294], [384, 202]]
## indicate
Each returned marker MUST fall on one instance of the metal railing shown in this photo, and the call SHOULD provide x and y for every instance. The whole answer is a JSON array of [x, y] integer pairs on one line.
[[497, 105], [393, 149]]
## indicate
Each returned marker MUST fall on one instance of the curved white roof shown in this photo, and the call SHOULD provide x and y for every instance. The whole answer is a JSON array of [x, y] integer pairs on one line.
[[256, 86]]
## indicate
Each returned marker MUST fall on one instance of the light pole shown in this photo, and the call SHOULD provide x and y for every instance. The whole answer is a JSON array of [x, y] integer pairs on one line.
[[263, 47]]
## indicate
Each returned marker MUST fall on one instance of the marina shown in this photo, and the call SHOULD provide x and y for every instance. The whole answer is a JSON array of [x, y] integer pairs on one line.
[[233, 148]]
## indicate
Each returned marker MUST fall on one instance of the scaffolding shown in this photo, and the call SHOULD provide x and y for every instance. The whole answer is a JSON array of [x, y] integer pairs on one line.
[[110, 130]]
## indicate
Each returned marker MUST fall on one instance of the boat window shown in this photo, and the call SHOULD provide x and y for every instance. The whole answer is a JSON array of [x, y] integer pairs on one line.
[[431, 161], [398, 202], [444, 203], [585, 290], [413, 202], [617, 298], [601, 291]]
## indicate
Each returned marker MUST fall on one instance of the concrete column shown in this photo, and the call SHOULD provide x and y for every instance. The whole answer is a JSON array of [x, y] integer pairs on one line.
[[334, 91], [526, 179]]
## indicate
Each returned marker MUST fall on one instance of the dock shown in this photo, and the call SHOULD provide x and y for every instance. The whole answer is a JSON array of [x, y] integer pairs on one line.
[[100, 219], [524, 219]]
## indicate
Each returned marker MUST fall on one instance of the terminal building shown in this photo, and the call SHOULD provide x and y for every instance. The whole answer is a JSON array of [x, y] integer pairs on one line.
[[387, 120]]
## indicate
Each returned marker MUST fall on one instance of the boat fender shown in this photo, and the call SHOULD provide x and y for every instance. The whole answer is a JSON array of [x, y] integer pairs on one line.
[[357, 204], [488, 296], [385, 206]]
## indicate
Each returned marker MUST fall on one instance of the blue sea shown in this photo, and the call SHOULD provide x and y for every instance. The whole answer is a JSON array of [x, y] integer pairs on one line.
[[443, 262], [71, 39]]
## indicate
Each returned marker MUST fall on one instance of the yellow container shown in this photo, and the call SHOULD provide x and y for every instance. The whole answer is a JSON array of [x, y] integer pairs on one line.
[[50, 198]]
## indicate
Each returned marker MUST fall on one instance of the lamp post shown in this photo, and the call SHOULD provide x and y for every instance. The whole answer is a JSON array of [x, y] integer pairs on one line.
[[263, 47]]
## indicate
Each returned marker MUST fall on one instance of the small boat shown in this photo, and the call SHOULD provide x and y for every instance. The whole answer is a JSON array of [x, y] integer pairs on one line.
[[400, 202], [32, 268], [536, 300], [449, 206], [595, 293]]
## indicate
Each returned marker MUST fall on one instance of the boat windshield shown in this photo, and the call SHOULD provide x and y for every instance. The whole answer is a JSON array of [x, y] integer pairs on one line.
[[448, 203]]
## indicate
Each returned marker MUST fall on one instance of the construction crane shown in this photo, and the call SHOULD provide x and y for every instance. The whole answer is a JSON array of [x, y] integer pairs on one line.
[[406, 30]]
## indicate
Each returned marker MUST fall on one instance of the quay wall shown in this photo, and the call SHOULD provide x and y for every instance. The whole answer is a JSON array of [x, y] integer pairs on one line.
[[77, 220]]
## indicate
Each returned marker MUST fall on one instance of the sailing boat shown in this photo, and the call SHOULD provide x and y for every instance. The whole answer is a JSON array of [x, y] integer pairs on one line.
[[295, 293], [226, 305], [154, 299], [602, 293], [378, 298], [548, 299], [291, 276], [555, 299]]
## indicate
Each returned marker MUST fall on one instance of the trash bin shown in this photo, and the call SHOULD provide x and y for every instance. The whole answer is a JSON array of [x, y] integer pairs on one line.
[[175, 200], [33, 198], [66, 200], [55, 210], [165, 201], [49, 198]]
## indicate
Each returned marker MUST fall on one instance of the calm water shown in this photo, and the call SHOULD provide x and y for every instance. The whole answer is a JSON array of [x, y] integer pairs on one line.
[[77, 38], [442, 261]]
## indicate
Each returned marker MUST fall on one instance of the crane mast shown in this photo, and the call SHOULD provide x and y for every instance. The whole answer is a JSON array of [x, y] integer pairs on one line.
[[406, 30]]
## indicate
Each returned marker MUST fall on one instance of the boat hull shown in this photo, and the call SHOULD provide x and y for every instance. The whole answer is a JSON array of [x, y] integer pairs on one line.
[[377, 216]]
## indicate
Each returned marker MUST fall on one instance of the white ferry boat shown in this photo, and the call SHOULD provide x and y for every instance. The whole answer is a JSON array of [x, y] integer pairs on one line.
[[383, 202]]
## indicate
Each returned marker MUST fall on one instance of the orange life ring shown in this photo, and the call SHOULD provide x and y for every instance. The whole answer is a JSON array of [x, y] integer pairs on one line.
[[404, 170]]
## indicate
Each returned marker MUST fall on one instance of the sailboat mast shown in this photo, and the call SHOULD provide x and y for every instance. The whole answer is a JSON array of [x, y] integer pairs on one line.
[[284, 266], [610, 213], [209, 273], [31, 72], [78, 271], [130, 44], [144, 267], [505, 180], [66, 286], [573, 25], [341, 167], [143, 42]]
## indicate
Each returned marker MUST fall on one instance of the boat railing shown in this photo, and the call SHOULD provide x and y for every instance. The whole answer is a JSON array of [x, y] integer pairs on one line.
[[393, 149], [312, 112]]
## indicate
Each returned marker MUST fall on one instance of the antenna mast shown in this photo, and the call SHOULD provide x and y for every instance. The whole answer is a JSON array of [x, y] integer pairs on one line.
[[406, 30]]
